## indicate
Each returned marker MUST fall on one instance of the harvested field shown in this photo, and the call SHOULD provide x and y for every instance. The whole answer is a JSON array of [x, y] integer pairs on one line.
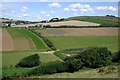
[[71, 23], [79, 32], [7, 41]]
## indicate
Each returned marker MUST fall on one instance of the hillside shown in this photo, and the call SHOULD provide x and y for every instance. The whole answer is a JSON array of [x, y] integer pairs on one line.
[[21, 39], [103, 20]]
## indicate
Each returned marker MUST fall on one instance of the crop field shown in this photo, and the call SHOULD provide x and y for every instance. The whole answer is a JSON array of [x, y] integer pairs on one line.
[[62, 23], [100, 20], [68, 42], [20, 39], [79, 32]]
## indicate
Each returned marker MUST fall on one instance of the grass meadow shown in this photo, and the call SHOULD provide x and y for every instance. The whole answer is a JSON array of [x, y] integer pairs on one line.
[[68, 42]]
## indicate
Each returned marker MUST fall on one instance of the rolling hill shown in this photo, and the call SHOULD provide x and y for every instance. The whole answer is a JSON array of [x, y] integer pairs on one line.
[[15, 39]]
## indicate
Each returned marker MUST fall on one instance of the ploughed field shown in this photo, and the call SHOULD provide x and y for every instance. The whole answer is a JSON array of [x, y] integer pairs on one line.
[[79, 31], [14, 39], [66, 38]]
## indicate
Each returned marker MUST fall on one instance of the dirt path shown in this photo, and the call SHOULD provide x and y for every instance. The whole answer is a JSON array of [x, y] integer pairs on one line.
[[7, 41]]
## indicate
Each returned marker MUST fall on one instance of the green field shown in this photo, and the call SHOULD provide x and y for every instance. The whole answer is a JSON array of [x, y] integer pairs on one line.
[[68, 42], [95, 20], [10, 59], [35, 43]]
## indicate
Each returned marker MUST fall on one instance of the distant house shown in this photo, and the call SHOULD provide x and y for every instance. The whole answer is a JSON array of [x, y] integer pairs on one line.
[[12, 24]]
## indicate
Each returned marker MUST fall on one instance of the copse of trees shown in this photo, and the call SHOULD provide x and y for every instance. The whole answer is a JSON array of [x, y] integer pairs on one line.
[[116, 56], [49, 68], [29, 61], [56, 19], [92, 57]]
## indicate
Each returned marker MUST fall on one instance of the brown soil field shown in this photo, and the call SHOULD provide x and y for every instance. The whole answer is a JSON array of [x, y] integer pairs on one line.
[[7, 41], [71, 23], [79, 32], [18, 43], [22, 44]]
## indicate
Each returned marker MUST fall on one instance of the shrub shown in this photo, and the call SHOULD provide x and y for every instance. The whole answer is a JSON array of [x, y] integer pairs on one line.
[[74, 64], [49, 68], [30, 61], [116, 56], [95, 57]]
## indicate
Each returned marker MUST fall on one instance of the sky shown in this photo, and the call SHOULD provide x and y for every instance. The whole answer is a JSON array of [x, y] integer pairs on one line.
[[37, 11]]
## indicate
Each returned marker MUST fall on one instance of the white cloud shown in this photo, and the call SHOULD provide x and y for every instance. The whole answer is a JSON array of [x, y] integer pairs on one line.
[[52, 11], [75, 14], [12, 11], [55, 5], [82, 8], [19, 16], [43, 0], [106, 8], [44, 13], [66, 9], [47, 15], [24, 9], [25, 15]]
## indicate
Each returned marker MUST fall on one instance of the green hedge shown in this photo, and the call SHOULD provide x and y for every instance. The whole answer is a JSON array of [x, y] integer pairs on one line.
[[47, 41], [49, 68], [116, 56], [29, 61]]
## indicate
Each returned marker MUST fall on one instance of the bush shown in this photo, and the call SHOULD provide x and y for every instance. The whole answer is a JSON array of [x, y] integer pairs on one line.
[[30, 61], [74, 65], [116, 56], [90, 57], [95, 57], [49, 68]]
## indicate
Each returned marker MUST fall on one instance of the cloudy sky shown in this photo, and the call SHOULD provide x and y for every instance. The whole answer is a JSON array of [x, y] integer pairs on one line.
[[36, 11]]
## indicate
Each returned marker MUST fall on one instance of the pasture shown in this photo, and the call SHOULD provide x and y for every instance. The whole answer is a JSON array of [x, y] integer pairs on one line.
[[68, 42], [11, 58]]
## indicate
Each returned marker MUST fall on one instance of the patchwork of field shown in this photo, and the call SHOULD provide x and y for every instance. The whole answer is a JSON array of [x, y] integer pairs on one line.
[[79, 32], [14, 39], [69, 42], [63, 23], [111, 21]]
